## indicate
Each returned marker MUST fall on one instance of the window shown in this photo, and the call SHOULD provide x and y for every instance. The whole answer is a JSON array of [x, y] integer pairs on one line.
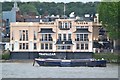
[[77, 37], [59, 37], [46, 46], [58, 47], [45, 37], [50, 46], [85, 37], [86, 26], [12, 47], [64, 37], [66, 25], [35, 46], [12, 36], [23, 45], [81, 37], [26, 45], [60, 24], [42, 46], [26, 35], [70, 25], [63, 47], [82, 46], [82, 26], [35, 35], [20, 32], [69, 36], [23, 35], [20, 46], [50, 37], [68, 47], [86, 46], [77, 46]]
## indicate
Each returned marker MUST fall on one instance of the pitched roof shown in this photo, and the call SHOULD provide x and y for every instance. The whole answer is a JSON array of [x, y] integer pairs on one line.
[[83, 30], [46, 30]]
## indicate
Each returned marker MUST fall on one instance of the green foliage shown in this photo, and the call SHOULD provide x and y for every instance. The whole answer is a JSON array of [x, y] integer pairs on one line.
[[6, 55], [108, 12], [7, 6], [110, 57], [27, 8], [47, 8]]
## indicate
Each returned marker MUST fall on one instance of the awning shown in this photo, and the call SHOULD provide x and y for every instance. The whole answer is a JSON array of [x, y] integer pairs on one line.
[[84, 30], [64, 42], [46, 30]]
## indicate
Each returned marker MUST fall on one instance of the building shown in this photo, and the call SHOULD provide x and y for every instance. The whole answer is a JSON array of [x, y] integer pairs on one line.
[[10, 16], [63, 38]]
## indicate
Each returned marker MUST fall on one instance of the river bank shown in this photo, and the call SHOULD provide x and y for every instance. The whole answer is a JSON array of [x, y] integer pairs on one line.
[[26, 70], [110, 57], [16, 61]]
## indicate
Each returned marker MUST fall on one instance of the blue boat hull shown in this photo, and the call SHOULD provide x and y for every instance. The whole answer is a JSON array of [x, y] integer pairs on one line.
[[50, 63], [72, 63], [41, 63], [100, 63]]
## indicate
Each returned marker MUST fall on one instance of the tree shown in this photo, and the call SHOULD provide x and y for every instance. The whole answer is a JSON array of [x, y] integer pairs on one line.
[[108, 14], [54, 8], [27, 8]]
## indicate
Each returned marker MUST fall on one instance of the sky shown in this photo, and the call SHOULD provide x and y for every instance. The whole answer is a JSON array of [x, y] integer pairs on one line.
[[65, 1]]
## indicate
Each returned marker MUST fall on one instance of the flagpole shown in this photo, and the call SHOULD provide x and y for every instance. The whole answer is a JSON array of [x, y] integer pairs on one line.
[[64, 10]]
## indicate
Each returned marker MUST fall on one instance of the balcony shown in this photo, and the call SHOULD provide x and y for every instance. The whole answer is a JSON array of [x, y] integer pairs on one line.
[[81, 39], [64, 28], [64, 42], [46, 39]]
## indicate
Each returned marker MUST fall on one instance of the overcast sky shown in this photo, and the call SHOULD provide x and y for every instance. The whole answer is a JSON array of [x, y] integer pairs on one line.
[[66, 1]]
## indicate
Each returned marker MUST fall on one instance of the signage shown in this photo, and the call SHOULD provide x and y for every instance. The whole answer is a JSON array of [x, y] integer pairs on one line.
[[47, 54]]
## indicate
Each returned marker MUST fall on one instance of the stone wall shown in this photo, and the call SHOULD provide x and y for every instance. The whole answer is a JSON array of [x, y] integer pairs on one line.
[[58, 55]]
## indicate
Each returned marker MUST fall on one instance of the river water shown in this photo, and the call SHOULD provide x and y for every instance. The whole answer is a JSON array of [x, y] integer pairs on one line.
[[26, 70]]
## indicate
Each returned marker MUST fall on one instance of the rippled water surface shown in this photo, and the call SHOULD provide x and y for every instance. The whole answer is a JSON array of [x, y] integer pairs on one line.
[[26, 70]]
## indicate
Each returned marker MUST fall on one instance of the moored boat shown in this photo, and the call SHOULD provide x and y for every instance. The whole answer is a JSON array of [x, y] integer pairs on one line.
[[71, 63]]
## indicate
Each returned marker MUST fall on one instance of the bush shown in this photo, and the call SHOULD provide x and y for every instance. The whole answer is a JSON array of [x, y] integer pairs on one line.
[[6, 55], [110, 57]]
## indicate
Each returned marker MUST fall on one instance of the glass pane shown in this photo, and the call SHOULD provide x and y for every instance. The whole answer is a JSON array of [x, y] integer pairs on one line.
[[82, 46], [42, 46]]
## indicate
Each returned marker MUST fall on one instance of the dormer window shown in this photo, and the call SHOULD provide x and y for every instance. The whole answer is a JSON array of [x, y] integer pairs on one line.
[[65, 25]]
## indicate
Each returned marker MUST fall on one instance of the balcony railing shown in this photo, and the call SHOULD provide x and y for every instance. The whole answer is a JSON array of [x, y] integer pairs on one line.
[[46, 39], [81, 39], [65, 28], [64, 40]]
